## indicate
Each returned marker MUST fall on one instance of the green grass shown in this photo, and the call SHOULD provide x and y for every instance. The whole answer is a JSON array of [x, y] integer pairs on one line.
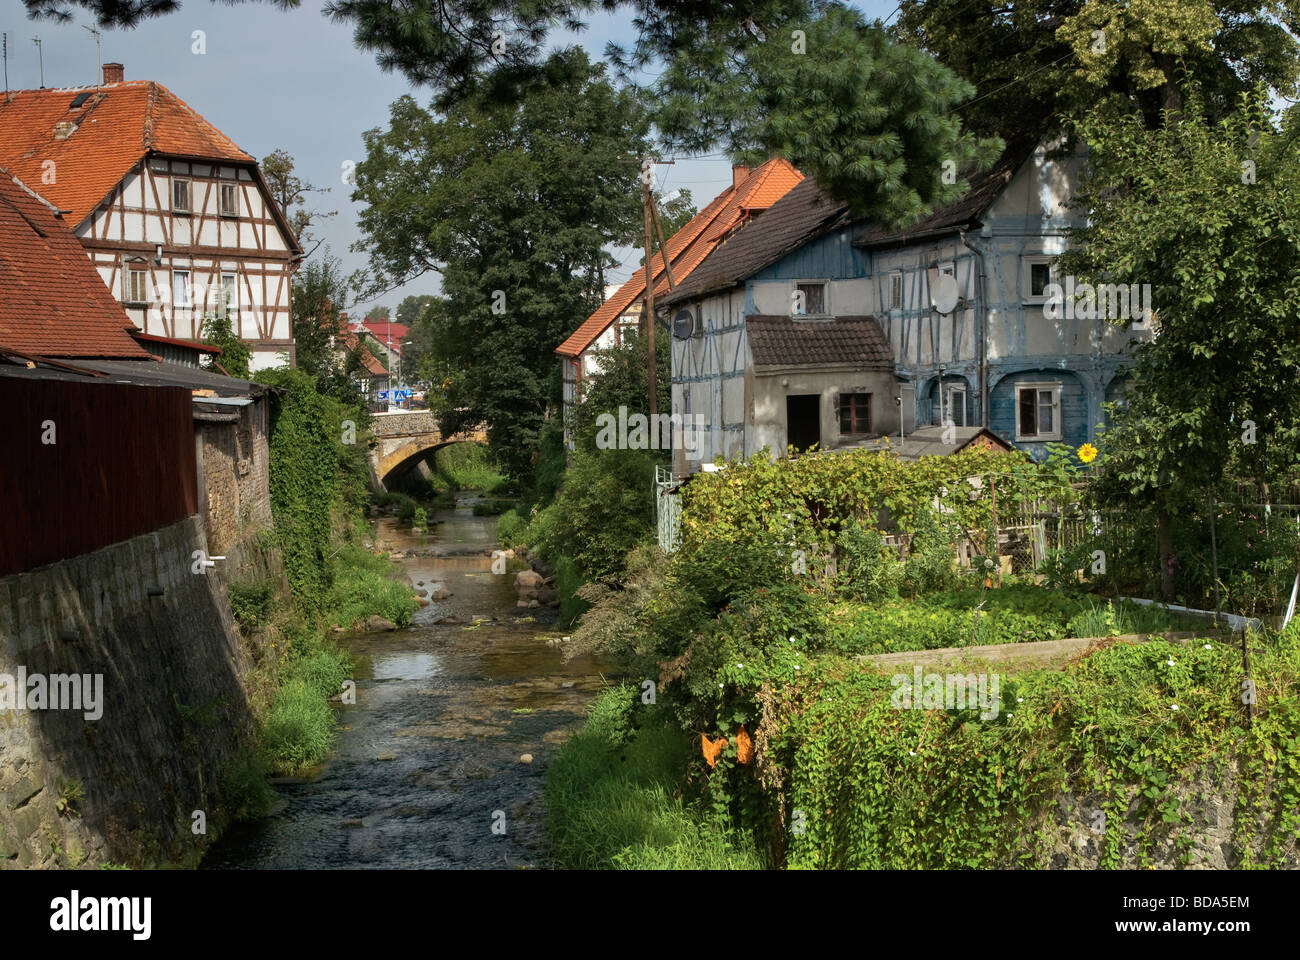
[[465, 466], [363, 585], [300, 730], [612, 799]]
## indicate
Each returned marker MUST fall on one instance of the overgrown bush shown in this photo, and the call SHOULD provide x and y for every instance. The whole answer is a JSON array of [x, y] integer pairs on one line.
[[251, 602], [364, 585], [868, 568], [614, 799]]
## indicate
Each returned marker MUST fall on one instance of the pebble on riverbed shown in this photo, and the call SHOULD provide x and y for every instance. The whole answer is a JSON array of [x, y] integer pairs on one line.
[[526, 758]]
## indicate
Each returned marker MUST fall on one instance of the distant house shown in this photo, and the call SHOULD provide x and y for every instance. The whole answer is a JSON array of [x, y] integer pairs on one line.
[[177, 219], [751, 192], [371, 377], [815, 326], [114, 441]]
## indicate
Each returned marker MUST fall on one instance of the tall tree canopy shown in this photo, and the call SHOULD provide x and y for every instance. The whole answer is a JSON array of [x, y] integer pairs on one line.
[[290, 192], [1209, 215], [1034, 62], [513, 203]]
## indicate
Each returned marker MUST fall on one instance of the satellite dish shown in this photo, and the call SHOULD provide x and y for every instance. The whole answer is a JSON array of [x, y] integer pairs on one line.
[[683, 325], [944, 294]]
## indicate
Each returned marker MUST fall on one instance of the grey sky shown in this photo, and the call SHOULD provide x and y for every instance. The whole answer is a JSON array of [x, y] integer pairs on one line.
[[289, 79]]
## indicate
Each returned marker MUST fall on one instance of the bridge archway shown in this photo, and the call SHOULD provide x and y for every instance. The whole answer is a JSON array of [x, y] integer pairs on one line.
[[396, 465]]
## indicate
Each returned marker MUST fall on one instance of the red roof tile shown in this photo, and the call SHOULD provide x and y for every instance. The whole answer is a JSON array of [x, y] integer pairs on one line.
[[691, 244], [54, 302], [116, 126]]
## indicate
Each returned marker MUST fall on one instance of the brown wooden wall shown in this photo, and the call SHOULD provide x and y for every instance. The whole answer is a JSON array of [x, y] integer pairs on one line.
[[123, 465]]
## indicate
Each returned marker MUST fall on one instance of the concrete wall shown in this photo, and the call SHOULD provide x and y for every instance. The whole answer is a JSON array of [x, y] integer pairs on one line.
[[768, 427], [174, 710]]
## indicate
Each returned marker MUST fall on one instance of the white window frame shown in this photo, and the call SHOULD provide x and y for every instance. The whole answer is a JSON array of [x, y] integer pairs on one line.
[[189, 292], [1027, 277], [895, 297], [128, 287], [1057, 417], [825, 284], [232, 211], [189, 195], [953, 390]]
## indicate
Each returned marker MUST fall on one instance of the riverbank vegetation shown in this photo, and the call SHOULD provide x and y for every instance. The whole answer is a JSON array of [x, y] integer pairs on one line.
[[311, 573], [749, 641]]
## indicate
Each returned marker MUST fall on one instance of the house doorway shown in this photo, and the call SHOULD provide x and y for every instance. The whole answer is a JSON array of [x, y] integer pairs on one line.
[[803, 419]]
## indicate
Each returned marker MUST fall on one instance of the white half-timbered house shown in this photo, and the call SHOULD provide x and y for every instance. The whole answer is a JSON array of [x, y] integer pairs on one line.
[[177, 219]]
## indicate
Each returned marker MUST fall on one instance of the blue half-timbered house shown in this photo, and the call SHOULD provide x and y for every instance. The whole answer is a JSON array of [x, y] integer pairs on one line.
[[811, 326]]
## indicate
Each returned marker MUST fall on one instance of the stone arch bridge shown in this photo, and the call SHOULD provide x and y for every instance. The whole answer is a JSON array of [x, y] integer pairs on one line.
[[404, 438]]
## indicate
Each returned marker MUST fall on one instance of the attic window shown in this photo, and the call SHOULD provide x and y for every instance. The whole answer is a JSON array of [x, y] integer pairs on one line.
[[809, 299], [78, 100]]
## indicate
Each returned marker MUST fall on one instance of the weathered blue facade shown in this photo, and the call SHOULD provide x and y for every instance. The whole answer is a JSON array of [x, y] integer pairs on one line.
[[999, 358]]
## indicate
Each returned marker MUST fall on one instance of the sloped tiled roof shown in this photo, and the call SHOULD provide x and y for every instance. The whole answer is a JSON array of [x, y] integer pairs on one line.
[[53, 302], [797, 217], [688, 247], [806, 213], [776, 341], [116, 126], [388, 334], [984, 189]]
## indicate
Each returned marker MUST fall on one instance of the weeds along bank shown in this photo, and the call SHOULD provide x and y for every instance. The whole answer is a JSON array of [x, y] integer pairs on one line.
[[759, 736], [319, 575]]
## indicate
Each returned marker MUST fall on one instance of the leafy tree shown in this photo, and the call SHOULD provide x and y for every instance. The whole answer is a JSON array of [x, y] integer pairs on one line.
[[809, 79], [677, 212], [290, 192], [513, 204], [1035, 62], [621, 381], [235, 353], [319, 291], [1209, 215], [409, 310]]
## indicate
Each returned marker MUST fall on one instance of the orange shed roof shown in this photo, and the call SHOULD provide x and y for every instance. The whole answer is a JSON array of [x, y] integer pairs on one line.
[[94, 144], [691, 244], [54, 303]]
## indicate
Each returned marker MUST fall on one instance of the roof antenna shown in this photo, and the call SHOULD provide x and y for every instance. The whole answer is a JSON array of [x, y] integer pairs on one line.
[[98, 56], [5, 40], [40, 52]]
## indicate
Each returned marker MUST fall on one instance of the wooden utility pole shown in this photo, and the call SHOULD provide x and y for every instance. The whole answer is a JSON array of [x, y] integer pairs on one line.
[[646, 201], [652, 215]]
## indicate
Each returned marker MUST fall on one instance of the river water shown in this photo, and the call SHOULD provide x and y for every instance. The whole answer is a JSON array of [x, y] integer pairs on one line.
[[427, 771]]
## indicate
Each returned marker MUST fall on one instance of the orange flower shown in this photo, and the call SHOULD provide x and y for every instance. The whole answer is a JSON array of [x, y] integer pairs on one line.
[[712, 748], [744, 747]]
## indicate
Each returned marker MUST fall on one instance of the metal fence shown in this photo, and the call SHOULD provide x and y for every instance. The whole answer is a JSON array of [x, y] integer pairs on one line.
[[668, 509]]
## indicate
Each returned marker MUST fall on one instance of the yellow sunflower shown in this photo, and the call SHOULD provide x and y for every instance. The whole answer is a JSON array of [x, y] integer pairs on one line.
[[1087, 453]]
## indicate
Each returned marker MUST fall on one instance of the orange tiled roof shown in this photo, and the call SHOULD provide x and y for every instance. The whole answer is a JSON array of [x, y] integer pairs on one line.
[[116, 126], [54, 302], [691, 244]]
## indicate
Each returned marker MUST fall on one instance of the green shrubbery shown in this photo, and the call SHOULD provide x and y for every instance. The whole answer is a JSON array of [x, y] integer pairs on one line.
[[615, 799]]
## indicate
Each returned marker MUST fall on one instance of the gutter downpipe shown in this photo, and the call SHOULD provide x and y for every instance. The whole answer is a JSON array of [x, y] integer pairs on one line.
[[981, 310]]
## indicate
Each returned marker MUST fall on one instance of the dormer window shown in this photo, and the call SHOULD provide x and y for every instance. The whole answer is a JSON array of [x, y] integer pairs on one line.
[[180, 196]]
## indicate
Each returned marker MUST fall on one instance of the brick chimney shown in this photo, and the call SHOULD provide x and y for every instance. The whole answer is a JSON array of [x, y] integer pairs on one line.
[[738, 173], [114, 73]]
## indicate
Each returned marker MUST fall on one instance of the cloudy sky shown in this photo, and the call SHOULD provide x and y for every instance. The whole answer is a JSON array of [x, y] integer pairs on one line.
[[271, 79]]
